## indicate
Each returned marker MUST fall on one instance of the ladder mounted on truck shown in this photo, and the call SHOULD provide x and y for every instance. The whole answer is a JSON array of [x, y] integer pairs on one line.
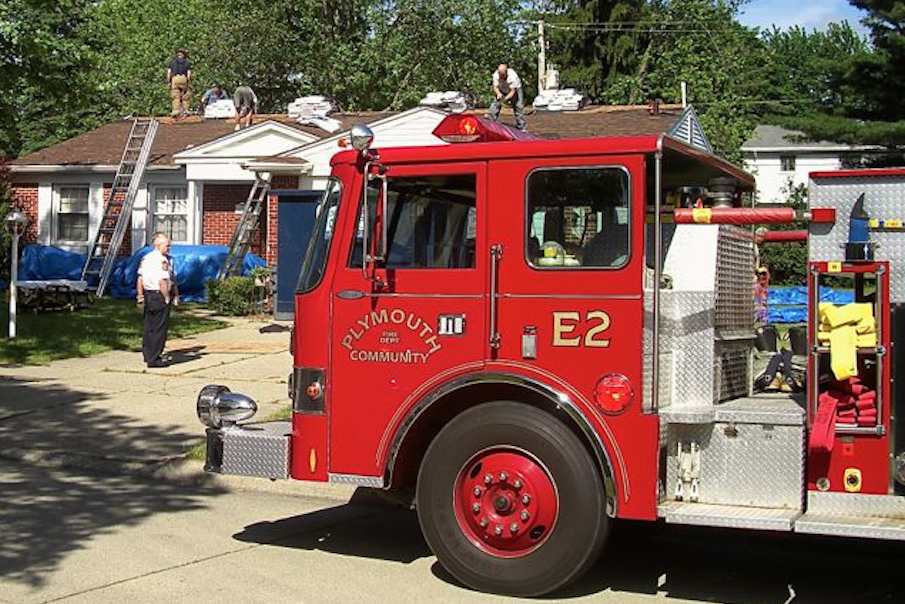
[[118, 208], [248, 224]]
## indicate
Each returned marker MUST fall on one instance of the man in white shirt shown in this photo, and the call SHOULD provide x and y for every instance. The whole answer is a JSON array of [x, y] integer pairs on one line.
[[507, 87], [157, 290]]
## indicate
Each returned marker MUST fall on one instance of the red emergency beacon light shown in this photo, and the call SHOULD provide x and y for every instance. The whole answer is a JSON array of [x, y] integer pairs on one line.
[[469, 128]]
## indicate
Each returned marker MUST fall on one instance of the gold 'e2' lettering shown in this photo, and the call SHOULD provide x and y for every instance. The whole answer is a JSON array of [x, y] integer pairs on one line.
[[602, 326], [561, 329], [565, 322]]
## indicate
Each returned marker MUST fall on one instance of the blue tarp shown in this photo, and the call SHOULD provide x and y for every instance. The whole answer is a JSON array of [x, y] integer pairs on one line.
[[790, 304], [195, 265]]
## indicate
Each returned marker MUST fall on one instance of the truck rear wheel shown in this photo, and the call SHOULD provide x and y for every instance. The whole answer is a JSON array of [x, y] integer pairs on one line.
[[510, 501]]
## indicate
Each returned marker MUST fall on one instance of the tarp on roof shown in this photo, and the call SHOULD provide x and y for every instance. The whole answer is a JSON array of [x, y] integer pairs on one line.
[[195, 265]]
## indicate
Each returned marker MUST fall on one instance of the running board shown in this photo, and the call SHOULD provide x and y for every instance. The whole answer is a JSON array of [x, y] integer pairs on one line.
[[851, 526], [729, 516]]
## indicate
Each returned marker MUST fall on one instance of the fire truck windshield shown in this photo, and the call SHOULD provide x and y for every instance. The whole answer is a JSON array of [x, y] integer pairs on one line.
[[319, 246]]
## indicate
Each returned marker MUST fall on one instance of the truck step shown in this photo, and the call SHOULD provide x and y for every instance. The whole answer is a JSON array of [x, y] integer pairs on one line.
[[851, 526], [729, 516]]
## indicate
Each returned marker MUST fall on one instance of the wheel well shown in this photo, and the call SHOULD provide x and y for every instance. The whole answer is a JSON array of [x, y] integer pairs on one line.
[[429, 423]]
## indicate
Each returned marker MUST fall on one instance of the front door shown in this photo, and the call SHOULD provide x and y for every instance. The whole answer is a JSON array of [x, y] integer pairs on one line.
[[569, 292], [413, 320]]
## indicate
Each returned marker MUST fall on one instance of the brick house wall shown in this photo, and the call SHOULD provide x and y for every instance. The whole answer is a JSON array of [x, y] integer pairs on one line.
[[25, 197], [126, 248], [219, 217]]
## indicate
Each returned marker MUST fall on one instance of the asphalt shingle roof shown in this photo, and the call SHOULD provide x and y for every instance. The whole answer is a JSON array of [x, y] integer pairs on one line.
[[104, 145]]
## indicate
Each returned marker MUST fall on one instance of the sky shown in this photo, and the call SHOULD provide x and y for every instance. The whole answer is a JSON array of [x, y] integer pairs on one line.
[[809, 14]]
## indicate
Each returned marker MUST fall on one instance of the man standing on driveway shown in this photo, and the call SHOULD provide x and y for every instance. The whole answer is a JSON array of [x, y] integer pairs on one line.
[[179, 74], [507, 87], [156, 291]]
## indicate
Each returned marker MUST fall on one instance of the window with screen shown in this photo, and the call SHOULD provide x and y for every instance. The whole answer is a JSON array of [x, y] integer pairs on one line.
[[431, 222], [171, 215], [578, 217], [72, 213]]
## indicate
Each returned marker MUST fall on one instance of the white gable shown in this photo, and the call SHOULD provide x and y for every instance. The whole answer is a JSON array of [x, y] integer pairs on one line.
[[410, 128], [264, 139]]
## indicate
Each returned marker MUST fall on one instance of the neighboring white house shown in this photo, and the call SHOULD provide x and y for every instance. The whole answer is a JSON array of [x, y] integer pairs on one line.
[[781, 159]]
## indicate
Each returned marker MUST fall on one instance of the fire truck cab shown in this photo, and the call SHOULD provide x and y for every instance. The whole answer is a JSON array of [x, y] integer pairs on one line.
[[481, 323]]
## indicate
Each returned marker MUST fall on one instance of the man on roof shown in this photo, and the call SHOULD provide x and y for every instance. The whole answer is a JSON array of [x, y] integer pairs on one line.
[[212, 95], [179, 74], [246, 102], [507, 87]]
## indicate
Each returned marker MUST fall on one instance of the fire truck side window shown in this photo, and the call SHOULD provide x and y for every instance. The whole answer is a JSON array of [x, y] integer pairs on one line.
[[578, 217], [432, 222]]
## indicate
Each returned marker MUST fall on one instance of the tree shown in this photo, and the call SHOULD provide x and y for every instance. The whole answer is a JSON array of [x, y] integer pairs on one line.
[[44, 57], [870, 111]]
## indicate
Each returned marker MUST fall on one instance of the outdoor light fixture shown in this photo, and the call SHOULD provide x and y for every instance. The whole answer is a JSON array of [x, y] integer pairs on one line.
[[220, 408], [16, 221]]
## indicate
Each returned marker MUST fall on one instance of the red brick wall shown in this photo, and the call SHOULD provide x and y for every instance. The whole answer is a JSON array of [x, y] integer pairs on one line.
[[219, 217], [25, 197], [126, 248]]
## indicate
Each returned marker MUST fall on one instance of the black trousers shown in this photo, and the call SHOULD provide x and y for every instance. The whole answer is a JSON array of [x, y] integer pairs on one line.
[[157, 321]]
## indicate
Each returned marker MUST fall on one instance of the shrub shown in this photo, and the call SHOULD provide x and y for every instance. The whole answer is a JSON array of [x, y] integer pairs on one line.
[[232, 296]]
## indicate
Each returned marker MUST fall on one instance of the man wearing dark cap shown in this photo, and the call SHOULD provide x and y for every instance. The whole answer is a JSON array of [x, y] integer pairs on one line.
[[179, 74]]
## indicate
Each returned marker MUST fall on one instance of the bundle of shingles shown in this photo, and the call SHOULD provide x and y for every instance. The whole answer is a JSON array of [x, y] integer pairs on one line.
[[315, 110], [452, 101], [219, 109], [563, 99]]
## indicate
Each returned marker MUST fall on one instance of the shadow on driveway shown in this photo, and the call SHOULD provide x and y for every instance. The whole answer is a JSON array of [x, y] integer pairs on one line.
[[46, 514]]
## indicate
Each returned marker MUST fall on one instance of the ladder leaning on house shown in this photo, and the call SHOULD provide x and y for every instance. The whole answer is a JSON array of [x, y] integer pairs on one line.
[[118, 207], [248, 224]]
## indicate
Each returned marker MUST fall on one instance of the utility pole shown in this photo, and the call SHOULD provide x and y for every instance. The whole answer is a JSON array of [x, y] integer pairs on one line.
[[541, 57]]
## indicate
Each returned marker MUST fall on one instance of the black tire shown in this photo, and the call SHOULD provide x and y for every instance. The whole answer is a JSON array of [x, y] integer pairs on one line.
[[576, 538]]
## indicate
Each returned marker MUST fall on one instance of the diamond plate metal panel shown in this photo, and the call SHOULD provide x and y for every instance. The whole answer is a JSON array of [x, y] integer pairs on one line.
[[884, 198], [702, 514], [851, 526], [856, 504], [257, 450], [356, 480], [757, 464], [777, 410]]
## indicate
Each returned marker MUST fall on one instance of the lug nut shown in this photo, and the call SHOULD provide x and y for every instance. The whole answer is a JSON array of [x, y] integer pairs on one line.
[[476, 507], [503, 476], [488, 478], [477, 491], [513, 527], [483, 522], [526, 499], [525, 515], [517, 484], [498, 530]]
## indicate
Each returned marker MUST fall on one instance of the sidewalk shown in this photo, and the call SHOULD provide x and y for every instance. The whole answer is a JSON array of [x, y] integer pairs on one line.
[[111, 413]]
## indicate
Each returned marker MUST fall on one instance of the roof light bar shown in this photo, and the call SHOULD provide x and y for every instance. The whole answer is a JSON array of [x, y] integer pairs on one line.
[[470, 128]]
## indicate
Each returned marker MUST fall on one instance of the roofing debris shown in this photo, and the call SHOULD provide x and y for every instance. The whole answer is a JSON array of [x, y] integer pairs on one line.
[[315, 110], [220, 109], [564, 99], [452, 101]]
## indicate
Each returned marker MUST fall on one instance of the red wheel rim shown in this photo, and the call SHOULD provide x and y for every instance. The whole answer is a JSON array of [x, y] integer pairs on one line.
[[506, 502]]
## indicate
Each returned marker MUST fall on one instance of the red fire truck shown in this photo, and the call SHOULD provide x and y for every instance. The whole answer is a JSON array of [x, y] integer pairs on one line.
[[538, 337]]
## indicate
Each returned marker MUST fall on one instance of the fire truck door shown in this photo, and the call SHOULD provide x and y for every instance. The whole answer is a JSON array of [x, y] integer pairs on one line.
[[417, 319], [567, 301]]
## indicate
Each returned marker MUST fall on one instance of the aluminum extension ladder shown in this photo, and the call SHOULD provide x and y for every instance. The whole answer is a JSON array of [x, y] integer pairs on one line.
[[248, 224], [118, 208]]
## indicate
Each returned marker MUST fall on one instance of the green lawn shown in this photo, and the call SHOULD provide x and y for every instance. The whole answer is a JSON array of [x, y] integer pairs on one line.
[[99, 327]]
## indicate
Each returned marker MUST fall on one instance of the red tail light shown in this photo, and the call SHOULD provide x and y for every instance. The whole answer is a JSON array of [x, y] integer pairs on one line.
[[613, 393], [460, 128]]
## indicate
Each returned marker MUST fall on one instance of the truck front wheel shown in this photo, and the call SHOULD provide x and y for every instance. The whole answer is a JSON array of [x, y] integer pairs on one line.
[[510, 501]]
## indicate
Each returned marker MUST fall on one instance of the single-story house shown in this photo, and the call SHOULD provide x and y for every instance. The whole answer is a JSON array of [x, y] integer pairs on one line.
[[781, 159], [196, 181]]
